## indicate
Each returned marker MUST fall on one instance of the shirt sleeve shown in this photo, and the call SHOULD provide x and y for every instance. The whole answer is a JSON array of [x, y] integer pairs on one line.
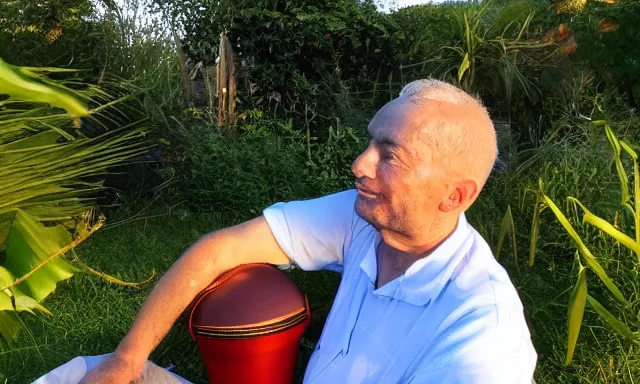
[[314, 233]]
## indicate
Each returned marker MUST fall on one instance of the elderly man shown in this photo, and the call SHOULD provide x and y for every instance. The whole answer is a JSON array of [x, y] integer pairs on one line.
[[422, 299]]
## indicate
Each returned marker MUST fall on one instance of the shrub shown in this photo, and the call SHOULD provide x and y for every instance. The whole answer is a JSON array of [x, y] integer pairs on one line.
[[268, 161]]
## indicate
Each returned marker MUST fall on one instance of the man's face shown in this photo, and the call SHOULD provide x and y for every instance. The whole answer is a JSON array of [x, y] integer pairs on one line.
[[400, 184]]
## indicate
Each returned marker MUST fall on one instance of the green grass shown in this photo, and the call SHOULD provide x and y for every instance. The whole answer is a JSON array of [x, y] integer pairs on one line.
[[91, 315]]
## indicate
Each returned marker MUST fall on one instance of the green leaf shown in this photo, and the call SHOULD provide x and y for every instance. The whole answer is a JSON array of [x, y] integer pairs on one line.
[[636, 198], [12, 299], [584, 251], [622, 174], [628, 149], [616, 324], [608, 228], [464, 66], [21, 84], [38, 140], [507, 228], [9, 327], [576, 311], [535, 227], [29, 243]]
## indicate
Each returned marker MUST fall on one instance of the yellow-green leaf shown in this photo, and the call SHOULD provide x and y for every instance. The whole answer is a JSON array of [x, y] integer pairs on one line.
[[28, 244], [535, 226], [616, 324], [21, 85], [636, 198], [622, 174], [9, 327], [584, 251], [576, 311], [627, 148], [507, 228], [608, 228], [12, 299], [464, 66]]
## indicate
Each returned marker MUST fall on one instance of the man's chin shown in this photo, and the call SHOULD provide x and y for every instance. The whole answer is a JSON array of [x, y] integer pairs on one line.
[[365, 209]]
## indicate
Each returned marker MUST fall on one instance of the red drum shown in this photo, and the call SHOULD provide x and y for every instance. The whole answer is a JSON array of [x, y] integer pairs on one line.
[[248, 325]]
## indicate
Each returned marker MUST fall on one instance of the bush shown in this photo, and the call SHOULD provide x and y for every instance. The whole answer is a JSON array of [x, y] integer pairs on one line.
[[267, 162], [295, 56]]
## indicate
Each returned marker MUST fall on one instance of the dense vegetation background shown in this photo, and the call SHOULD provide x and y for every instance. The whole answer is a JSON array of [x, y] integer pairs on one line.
[[560, 79]]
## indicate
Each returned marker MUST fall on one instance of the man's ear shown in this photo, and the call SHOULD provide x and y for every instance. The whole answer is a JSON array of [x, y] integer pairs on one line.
[[462, 194]]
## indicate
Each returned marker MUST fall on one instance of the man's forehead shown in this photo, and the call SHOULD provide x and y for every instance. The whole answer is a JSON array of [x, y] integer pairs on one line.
[[398, 123]]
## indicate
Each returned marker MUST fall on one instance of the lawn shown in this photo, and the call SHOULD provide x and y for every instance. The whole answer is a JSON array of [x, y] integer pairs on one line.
[[91, 315]]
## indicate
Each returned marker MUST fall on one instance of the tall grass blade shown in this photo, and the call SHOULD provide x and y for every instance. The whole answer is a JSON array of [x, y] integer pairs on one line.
[[576, 311], [636, 198], [627, 148], [622, 174], [608, 228], [535, 227], [463, 67], [584, 251], [507, 228], [616, 324]]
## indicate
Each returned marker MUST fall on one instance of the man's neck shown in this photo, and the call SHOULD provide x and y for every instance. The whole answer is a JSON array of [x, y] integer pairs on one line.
[[397, 252]]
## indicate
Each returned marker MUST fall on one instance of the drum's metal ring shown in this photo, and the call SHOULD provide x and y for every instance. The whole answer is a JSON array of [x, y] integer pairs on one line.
[[251, 331]]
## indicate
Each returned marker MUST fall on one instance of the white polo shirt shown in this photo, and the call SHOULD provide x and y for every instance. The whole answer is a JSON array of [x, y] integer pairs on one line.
[[453, 317]]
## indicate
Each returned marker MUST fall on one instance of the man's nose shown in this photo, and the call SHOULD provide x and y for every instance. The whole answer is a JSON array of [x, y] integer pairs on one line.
[[365, 165]]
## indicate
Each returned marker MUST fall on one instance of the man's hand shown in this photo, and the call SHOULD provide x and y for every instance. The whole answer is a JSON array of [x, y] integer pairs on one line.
[[115, 369]]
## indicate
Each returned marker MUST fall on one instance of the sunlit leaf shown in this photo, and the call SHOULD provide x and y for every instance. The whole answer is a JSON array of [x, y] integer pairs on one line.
[[464, 66], [507, 228], [585, 252], [9, 326], [30, 243], [21, 86], [608, 228], [535, 227], [636, 198], [616, 324], [622, 174], [576, 311], [627, 148], [13, 299]]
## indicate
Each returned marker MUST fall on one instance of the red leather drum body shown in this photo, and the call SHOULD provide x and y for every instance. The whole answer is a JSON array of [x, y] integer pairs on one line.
[[248, 325]]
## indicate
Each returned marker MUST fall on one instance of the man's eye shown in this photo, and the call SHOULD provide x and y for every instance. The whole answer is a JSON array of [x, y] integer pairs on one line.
[[387, 155]]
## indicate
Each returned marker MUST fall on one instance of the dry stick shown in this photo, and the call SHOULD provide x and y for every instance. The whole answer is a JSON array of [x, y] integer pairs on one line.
[[54, 255], [186, 81], [115, 280]]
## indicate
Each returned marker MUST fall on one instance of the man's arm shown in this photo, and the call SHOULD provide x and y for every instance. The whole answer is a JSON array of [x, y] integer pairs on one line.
[[199, 266]]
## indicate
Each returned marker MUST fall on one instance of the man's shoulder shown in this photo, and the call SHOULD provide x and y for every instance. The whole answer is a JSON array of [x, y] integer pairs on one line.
[[482, 318], [481, 280]]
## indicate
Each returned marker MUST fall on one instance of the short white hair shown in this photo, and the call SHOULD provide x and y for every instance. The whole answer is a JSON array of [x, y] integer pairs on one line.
[[437, 90], [467, 144]]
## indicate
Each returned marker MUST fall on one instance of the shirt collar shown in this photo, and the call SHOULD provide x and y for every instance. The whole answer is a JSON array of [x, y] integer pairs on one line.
[[426, 277]]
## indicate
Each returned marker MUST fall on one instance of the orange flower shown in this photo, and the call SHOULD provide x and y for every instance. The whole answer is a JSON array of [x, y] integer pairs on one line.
[[53, 35], [562, 33], [564, 38], [608, 24]]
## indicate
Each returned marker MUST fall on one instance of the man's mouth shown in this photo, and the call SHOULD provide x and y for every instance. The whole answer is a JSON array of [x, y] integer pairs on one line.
[[365, 192]]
